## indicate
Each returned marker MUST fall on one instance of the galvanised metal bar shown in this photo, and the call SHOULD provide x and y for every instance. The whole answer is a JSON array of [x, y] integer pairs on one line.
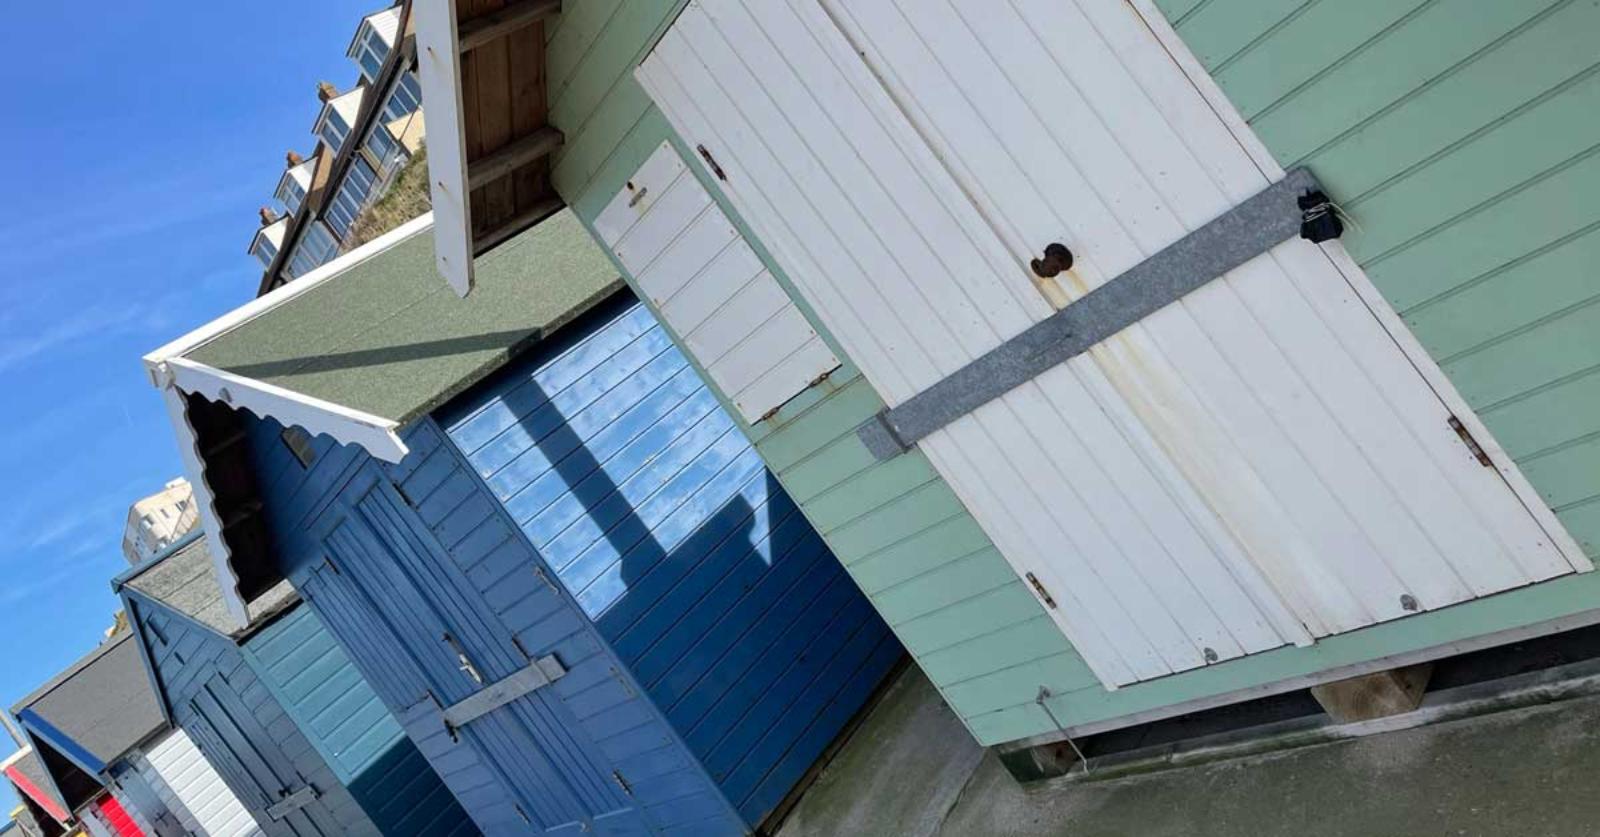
[[1253, 227]]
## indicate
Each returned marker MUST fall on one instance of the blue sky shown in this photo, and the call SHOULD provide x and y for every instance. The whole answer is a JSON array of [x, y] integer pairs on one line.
[[140, 139]]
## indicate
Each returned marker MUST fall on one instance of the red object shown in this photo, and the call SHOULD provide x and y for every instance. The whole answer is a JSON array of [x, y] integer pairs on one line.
[[34, 792], [116, 817]]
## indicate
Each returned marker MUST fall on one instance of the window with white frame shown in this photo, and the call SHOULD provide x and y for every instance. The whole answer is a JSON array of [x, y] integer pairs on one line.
[[290, 192], [352, 194], [382, 146], [370, 52], [404, 98], [316, 247], [334, 129], [264, 250]]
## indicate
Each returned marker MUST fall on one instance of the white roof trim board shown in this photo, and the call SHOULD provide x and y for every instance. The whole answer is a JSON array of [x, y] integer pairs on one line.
[[439, 75], [177, 376]]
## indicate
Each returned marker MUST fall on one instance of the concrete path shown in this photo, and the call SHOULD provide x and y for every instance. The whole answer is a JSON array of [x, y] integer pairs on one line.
[[912, 770]]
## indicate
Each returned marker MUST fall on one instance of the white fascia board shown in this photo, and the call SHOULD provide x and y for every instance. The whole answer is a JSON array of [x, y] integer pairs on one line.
[[439, 75], [374, 434], [205, 503], [263, 304]]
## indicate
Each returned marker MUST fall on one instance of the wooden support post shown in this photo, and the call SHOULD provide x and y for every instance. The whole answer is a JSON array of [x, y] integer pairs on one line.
[[1378, 695]]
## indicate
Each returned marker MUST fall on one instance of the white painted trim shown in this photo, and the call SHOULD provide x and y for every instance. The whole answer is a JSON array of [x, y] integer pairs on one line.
[[439, 74], [375, 434], [261, 305], [1342, 261], [205, 503]]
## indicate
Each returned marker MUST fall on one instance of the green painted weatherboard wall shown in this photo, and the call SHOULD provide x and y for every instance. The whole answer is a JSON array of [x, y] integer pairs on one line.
[[971, 624]]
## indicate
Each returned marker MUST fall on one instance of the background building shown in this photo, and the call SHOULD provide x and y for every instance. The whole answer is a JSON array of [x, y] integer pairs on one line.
[[159, 520], [364, 137]]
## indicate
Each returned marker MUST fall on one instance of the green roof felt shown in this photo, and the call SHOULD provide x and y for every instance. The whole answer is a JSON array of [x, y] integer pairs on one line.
[[388, 337]]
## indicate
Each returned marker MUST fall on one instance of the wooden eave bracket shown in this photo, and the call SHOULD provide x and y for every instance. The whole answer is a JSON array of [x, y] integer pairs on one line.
[[481, 30]]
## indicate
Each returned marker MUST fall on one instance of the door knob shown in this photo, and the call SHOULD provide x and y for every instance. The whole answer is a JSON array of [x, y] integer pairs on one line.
[[1056, 259]]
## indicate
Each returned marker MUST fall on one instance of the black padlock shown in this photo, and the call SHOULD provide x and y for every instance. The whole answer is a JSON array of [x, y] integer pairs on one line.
[[1319, 221], [1056, 259]]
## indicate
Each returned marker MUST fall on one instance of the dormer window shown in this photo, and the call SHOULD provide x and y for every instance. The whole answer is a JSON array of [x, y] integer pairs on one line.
[[294, 184], [338, 114], [374, 39], [268, 239], [334, 130]]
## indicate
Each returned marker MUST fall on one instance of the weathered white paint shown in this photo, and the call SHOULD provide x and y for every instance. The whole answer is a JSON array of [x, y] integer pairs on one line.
[[175, 375], [439, 75], [377, 435], [190, 787], [1395, 327], [711, 288], [1252, 466], [205, 503]]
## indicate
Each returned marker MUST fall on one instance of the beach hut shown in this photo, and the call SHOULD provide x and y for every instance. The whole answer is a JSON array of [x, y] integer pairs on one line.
[[301, 743], [548, 546]]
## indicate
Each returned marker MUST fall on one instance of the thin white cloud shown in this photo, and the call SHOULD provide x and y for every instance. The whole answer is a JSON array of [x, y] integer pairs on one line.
[[97, 322]]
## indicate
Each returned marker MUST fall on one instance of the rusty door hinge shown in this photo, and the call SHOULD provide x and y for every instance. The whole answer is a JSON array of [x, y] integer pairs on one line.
[[712, 162], [1043, 593], [1471, 443]]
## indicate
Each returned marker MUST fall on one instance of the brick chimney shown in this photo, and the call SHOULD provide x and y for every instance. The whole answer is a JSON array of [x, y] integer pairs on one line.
[[326, 90], [267, 215], [293, 159]]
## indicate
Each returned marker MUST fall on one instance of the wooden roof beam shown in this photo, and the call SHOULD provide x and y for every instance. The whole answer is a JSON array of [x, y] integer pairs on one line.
[[517, 223], [481, 30], [512, 156]]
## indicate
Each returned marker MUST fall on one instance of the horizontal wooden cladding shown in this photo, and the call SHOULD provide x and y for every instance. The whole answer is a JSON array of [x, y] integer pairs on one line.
[[481, 30], [504, 115], [1464, 146]]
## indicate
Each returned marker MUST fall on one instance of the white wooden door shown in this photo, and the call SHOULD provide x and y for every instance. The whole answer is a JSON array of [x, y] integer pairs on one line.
[[1258, 464], [191, 788], [711, 288]]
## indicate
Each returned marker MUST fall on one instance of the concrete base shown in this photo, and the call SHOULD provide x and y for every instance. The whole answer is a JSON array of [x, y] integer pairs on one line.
[[1376, 695], [900, 773], [1043, 761], [913, 770]]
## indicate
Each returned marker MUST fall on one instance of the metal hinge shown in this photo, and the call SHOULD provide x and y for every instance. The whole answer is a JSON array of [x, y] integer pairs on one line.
[[545, 577], [517, 641], [521, 813], [1471, 443], [712, 162], [622, 782], [328, 562], [466, 662], [1043, 593]]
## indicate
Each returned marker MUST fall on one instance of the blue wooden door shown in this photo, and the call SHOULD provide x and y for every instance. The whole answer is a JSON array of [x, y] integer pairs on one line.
[[253, 764], [409, 586]]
